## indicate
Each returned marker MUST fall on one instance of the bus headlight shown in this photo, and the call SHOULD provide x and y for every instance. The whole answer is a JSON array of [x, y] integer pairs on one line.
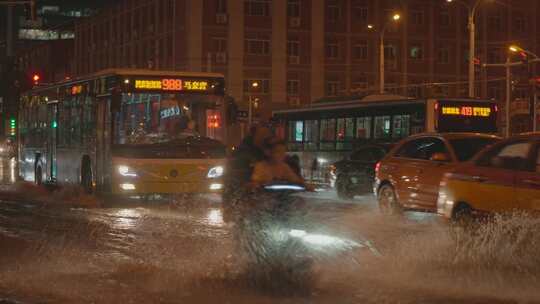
[[215, 172], [127, 187], [126, 171]]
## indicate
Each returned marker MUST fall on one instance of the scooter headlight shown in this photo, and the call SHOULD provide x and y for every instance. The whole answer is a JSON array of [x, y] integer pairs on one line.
[[215, 172], [126, 171]]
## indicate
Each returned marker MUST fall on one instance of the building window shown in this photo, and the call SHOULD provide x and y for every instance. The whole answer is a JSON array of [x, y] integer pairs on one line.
[[401, 126], [363, 127], [257, 8], [443, 56], [382, 126], [292, 87], [361, 50], [332, 49], [219, 44], [417, 17], [311, 137], [221, 6], [495, 23], [444, 17], [361, 13], [360, 84], [262, 88], [333, 12], [345, 133], [390, 52], [296, 131], [494, 93], [520, 25], [414, 91], [293, 48], [332, 88], [328, 134], [257, 46], [416, 52], [293, 8], [521, 93], [495, 55]]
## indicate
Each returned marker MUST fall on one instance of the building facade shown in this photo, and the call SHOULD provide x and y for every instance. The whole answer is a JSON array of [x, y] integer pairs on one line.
[[297, 51]]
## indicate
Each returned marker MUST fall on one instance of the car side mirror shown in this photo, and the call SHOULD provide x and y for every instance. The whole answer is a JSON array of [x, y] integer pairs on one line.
[[440, 157]]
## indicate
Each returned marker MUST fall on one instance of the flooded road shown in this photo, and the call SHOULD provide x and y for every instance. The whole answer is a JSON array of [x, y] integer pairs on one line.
[[158, 253]]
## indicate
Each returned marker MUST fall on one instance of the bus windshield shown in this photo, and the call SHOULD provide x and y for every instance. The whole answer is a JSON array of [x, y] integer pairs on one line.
[[159, 118]]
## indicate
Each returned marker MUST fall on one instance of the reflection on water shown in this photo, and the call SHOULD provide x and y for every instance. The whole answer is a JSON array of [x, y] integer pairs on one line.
[[7, 170], [215, 217], [126, 218]]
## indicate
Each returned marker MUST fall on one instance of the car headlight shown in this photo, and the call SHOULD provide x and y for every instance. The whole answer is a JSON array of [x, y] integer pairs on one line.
[[126, 171], [215, 172]]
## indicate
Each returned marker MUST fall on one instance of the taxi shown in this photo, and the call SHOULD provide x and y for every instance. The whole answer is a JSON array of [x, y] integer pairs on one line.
[[408, 177], [502, 178]]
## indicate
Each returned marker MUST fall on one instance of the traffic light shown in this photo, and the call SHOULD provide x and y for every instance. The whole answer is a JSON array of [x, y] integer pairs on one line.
[[36, 79], [12, 127]]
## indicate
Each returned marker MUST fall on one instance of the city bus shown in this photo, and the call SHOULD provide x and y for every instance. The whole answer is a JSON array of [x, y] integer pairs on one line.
[[126, 131], [329, 129]]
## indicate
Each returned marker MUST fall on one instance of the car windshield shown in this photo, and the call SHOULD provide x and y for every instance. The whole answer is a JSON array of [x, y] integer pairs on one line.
[[466, 148]]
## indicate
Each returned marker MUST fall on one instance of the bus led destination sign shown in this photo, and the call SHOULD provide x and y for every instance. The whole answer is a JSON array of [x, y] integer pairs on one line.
[[171, 84], [467, 111]]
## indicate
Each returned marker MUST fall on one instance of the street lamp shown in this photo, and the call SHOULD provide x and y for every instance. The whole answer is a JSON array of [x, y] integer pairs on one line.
[[254, 86], [517, 49], [395, 18], [472, 12]]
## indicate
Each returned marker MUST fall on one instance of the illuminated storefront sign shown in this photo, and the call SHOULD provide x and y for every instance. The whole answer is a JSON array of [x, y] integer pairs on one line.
[[467, 111], [171, 84], [76, 89], [170, 112]]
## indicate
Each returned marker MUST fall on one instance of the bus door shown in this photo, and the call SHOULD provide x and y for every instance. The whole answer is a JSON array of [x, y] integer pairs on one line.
[[103, 143], [52, 112]]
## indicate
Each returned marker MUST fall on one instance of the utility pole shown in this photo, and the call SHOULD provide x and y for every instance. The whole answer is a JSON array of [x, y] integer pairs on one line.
[[507, 65], [472, 46], [9, 34]]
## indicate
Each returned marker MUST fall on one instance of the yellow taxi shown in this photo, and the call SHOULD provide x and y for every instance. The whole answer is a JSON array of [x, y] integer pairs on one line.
[[502, 178], [408, 177]]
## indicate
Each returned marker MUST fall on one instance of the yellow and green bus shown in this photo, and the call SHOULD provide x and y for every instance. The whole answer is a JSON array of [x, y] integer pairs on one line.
[[126, 131]]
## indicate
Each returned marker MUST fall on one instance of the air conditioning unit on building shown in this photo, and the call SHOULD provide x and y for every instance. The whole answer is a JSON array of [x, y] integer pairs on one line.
[[221, 18], [294, 101], [294, 59], [221, 57], [294, 22]]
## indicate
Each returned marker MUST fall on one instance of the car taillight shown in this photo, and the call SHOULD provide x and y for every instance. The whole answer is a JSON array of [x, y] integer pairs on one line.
[[377, 167]]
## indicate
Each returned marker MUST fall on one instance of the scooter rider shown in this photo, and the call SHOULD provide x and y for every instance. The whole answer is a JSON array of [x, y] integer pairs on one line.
[[240, 166], [275, 166]]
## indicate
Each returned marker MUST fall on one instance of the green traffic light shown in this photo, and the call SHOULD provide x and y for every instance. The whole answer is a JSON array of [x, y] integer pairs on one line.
[[54, 124]]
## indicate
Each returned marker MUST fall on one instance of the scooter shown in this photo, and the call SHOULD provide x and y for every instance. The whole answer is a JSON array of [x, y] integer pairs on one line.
[[277, 259]]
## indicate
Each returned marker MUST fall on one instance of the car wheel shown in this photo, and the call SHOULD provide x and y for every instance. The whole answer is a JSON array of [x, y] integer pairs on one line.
[[462, 215], [342, 188], [388, 203]]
